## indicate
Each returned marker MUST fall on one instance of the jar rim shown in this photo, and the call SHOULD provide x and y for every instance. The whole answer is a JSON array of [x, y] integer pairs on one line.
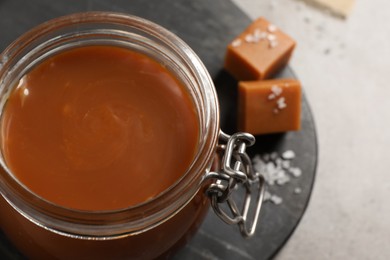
[[137, 218]]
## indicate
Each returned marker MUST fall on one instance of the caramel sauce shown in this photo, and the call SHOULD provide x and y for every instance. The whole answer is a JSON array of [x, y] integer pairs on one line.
[[99, 128]]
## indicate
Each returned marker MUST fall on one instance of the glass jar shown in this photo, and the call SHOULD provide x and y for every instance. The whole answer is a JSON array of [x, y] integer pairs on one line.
[[43, 230]]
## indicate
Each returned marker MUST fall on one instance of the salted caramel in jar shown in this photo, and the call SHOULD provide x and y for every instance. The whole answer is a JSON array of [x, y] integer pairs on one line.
[[109, 128]]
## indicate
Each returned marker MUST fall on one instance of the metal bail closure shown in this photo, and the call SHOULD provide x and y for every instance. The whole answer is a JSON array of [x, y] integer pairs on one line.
[[236, 174]]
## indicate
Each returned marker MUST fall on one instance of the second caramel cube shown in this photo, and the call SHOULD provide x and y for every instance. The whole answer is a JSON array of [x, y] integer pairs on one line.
[[269, 106]]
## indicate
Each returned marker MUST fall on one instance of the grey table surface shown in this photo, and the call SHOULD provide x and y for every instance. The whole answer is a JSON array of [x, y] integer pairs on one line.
[[200, 24], [345, 67]]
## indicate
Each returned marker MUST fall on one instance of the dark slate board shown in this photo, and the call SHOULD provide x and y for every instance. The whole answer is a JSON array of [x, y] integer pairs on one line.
[[207, 26]]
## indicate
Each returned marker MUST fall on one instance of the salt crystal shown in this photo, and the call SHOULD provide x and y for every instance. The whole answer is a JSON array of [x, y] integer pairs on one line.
[[271, 28], [257, 33], [276, 199], [271, 168], [286, 164], [271, 96], [298, 190], [26, 92], [267, 196], [273, 44], [263, 35], [271, 37], [274, 155], [266, 157], [249, 38], [288, 155], [296, 172], [283, 180], [276, 111], [276, 90], [281, 103], [236, 42], [279, 173]]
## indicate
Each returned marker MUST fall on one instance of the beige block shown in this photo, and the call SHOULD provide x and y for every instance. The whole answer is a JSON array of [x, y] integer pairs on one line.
[[337, 7]]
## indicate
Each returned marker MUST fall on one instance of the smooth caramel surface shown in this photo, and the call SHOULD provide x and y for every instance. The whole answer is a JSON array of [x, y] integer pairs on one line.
[[99, 128], [269, 106]]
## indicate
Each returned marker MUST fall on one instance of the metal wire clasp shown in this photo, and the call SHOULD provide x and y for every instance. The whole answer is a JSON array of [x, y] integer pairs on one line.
[[236, 172]]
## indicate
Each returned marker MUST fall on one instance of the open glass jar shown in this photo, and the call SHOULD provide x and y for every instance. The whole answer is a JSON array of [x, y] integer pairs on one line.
[[43, 230]]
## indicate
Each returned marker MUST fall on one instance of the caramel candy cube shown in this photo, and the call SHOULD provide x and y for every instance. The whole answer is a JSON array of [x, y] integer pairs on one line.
[[269, 106], [259, 52]]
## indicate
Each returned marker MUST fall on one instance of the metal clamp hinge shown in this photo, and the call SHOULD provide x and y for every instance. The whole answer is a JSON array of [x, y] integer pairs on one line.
[[236, 172]]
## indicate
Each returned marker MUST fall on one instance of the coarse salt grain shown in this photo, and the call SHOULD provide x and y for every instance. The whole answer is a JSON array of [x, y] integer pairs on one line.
[[276, 199], [271, 96], [236, 42], [279, 173], [286, 164], [281, 103], [296, 172], [273, 44], [271, 167], [249, 38], [283, 180], [263, 35], [271, 37], [257, 33], [271, 28], [297, 190], [267, 196], [276, 90], [288, 155]]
